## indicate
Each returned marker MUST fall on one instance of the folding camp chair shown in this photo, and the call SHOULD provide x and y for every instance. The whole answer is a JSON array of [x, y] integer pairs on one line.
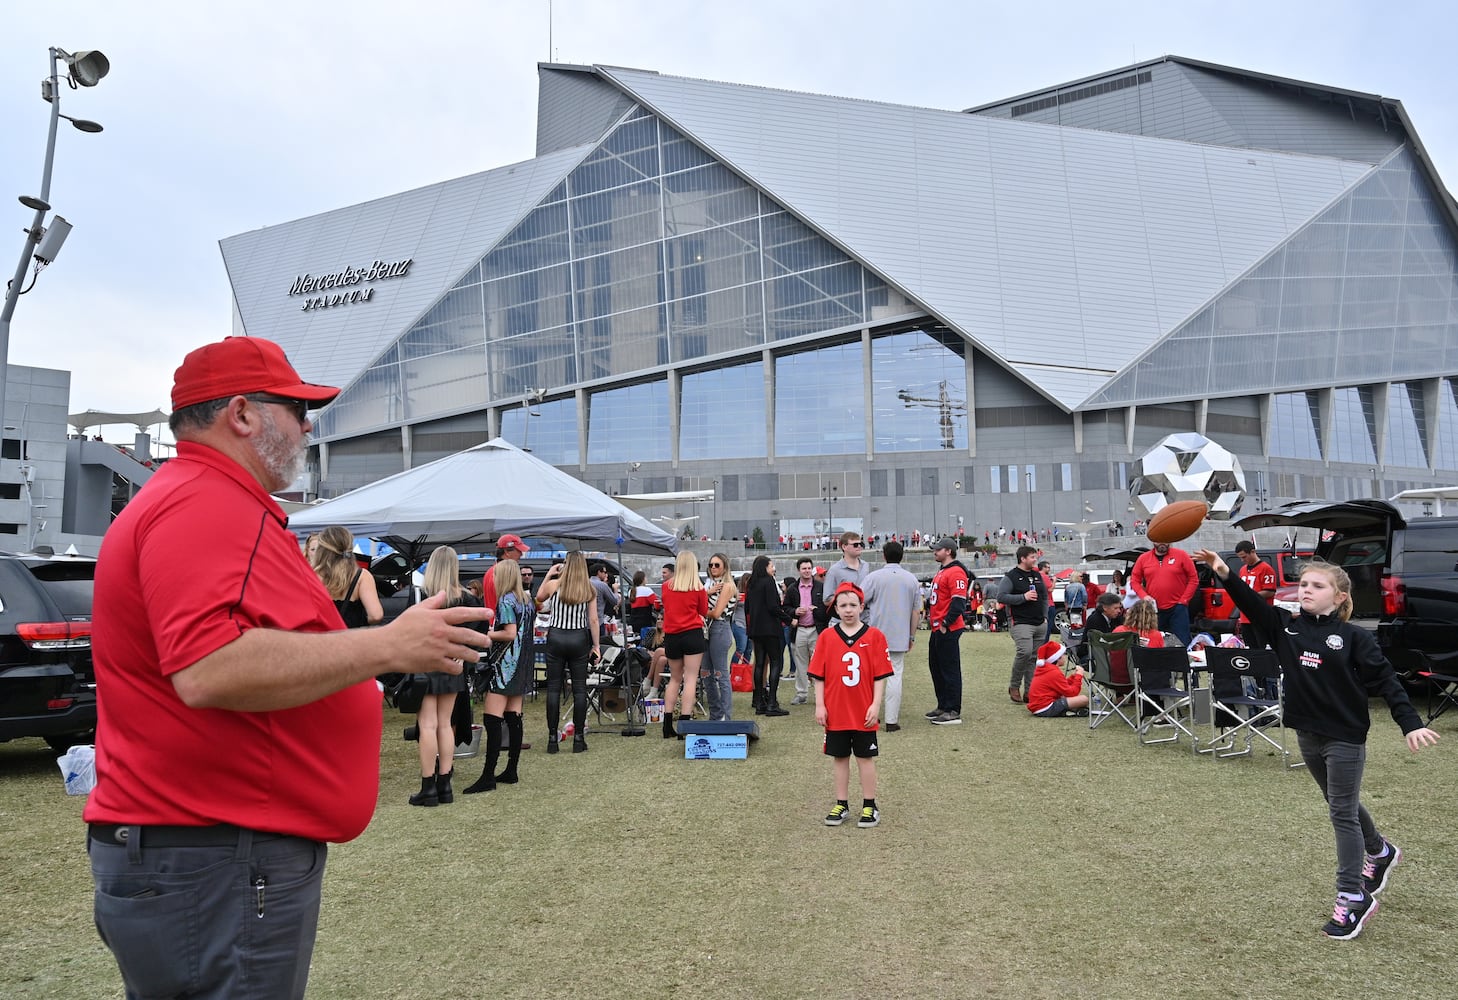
[[605, 678], [1159, 697], [1106, 697], [1073, 640], [1442, 692], [1228, 669]]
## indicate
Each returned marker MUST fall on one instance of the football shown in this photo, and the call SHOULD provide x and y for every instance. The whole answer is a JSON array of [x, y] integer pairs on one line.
[[1177, 521]]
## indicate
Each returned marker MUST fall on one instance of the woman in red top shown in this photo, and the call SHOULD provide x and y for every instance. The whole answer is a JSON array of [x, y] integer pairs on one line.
[[685, 603], [1143, 618]]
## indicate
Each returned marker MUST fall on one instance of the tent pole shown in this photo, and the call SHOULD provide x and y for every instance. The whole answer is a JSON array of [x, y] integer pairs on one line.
[[630, 729]]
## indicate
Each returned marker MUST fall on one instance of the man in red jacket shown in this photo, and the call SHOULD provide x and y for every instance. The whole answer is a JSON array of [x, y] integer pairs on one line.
[[1167, 576]]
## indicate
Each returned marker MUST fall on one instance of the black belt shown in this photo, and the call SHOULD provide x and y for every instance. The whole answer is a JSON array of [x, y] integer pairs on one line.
[[220, 835]]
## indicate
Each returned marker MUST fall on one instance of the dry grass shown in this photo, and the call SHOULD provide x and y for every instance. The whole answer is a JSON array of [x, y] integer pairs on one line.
[[1017, 857]]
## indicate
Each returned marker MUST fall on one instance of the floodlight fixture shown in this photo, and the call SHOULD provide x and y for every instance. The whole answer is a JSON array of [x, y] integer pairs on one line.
[[87, 67]]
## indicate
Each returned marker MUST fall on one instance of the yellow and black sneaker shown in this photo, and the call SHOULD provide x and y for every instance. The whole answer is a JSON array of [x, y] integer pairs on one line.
[[870, 816], [838, 814]]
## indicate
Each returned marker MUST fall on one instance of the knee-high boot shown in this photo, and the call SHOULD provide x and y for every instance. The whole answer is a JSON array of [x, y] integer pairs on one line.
[[513, 748], [487, 781]]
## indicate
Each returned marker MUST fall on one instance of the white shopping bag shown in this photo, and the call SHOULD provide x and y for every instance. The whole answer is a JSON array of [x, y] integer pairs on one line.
[[78, 767]]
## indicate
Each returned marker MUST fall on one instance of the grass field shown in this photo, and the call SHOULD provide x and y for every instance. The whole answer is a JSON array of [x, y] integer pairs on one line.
[[1017, 857]]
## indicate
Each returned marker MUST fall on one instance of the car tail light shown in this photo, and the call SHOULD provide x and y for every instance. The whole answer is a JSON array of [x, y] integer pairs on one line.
[[57, 704], [1394, 597], [55, 635]]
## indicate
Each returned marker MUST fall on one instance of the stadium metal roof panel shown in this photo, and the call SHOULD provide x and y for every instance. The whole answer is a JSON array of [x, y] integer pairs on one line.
[[443, 229], [1064, 253]]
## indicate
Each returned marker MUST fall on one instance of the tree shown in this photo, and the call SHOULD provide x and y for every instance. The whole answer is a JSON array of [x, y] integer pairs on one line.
[[758, 537]]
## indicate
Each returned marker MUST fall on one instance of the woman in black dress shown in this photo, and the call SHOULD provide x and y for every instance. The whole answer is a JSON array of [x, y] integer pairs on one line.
[[767, 619], [350, 587], [437, 735]]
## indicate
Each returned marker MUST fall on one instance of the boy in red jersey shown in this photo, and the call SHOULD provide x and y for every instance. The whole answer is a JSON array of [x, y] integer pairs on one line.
[[849, 668]]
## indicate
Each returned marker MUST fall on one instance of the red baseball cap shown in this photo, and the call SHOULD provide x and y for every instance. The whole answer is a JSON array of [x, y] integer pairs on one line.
[[849, 588], [237, 366], [512, 542]]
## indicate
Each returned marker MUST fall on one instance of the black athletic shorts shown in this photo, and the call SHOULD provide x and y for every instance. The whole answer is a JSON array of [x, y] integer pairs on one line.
[[677, 645], [841, 743]]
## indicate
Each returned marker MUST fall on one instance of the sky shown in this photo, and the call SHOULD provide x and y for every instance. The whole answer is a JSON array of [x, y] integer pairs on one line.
[[221, 118]]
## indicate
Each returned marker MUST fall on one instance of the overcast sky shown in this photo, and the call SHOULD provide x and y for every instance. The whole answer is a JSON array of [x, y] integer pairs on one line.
[[222, 118]]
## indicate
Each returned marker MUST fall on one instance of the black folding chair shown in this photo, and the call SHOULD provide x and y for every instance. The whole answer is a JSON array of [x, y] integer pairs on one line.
[[1107, 698], [1442, 692], [1073, 640], [1229, 670], [1163, 692]]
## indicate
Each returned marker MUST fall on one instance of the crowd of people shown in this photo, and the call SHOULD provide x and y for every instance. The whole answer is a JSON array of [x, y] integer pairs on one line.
[[255, 657]]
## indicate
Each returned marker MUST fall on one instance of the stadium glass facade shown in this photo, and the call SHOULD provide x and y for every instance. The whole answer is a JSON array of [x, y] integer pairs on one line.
[[658, 321]]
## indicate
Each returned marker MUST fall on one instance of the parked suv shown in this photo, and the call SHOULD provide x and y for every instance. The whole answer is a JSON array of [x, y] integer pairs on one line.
[[1404, 574], [47, 687]]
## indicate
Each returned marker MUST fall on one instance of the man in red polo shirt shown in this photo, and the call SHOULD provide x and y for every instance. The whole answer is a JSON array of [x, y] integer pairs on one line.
[[239, 723], [507, 547]]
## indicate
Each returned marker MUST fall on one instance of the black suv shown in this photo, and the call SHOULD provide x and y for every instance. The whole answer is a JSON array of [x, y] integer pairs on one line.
[[1404, 574], [47, 687]]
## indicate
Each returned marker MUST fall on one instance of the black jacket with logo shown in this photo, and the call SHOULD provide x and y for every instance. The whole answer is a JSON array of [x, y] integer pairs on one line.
[[1330, 669]]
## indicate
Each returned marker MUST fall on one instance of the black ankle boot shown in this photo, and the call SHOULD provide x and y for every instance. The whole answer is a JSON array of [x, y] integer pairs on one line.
[[485, 783], [684, 718], [579, 744], [443, 793], [426, 796], [551, 744], [667, 726]]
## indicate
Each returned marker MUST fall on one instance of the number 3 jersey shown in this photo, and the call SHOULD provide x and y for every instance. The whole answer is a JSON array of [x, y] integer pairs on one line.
[[849, 667]]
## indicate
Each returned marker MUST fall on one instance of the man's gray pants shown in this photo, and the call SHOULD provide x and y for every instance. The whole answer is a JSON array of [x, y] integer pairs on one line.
[[1026, 640]]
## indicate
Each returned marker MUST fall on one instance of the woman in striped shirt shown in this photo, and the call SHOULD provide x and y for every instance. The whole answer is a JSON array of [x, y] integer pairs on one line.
[[572, 643], [723, 599]]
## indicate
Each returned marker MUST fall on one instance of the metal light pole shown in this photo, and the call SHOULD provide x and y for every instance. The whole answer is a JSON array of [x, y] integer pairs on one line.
[[716, 510], [830, 499], [83, 69], [1029, 477]]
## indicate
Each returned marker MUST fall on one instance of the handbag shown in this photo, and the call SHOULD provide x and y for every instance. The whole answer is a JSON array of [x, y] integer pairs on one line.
[[408, 693], [741, 675]]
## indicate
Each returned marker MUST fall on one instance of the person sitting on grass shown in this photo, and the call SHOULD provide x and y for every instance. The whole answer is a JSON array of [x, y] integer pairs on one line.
[[849, 669], [1053, 693]]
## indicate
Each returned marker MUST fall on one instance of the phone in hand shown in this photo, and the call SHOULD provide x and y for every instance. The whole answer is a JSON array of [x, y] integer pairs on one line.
[[594, 657]]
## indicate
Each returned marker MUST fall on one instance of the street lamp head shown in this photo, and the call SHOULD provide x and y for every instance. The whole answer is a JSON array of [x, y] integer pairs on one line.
[[87, 67], [83, 124]]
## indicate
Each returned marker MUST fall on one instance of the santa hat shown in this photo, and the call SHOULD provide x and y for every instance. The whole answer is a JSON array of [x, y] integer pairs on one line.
[[1050, 652]]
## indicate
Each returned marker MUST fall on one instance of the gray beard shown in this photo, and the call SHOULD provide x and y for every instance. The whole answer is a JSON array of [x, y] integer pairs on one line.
[[283, 461]]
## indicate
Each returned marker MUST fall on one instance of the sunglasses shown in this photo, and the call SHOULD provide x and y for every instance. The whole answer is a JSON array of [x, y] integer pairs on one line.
[[298, 407], [716, 565], [856, 545]]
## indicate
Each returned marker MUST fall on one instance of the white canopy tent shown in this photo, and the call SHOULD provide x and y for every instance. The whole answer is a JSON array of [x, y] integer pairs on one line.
[[468, 499]]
